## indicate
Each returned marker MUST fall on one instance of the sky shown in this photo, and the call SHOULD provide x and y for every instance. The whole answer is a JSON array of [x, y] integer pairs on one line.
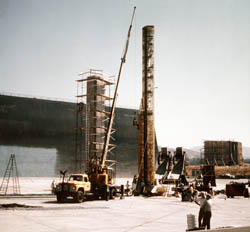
[[202, 59]]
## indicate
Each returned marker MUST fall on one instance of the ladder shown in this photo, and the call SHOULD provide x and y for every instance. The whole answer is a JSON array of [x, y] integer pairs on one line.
[[11, 171]]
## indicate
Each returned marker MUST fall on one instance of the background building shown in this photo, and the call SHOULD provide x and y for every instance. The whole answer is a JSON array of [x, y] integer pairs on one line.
[[223, 153]]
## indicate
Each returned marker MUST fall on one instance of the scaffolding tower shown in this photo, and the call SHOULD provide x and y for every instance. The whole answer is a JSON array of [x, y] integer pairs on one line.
[[223, 152], [11, 171], [92, 113]]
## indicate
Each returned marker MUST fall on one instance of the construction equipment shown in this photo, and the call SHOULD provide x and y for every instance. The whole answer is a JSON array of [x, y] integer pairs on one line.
[[100, 176], [237, 189], [76, 186], [207, 178], [11, 171]]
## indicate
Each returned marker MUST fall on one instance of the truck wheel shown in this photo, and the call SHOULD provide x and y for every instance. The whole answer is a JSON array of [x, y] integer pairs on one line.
[[60, 198], [246, 193], [107, 195], [79, 197], [112, 193]]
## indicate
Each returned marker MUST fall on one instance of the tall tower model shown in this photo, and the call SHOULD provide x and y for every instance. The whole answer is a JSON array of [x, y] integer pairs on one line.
[[92, 94], [146, 114]]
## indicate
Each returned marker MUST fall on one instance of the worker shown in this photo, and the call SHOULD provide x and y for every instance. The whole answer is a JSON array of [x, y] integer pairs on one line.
[[53, 186], [142, 186], [182, 190], [122, 191], [195, 195], [207, 212], [201, 202], [127, 190], [134, 182], [191, 191]]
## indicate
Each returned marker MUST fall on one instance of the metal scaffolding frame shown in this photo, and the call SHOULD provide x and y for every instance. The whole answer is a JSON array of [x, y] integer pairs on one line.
[[93, 105], [223, 152]]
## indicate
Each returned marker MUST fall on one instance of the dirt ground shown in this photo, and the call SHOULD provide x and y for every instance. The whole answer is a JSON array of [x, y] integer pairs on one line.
[[130, 214]]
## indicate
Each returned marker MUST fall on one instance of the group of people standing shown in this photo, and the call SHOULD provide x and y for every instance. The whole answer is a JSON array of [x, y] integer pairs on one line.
[[205, 213]]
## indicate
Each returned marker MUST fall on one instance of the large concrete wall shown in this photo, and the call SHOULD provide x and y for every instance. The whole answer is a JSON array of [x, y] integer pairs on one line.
[[31, 123]]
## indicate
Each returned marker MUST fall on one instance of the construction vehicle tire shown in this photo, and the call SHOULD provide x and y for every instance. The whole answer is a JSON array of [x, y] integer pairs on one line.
[[79, 197], [107, 196], [60, 198], [112, 193]]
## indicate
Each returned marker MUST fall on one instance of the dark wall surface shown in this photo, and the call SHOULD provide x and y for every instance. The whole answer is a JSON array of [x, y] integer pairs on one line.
[[41, 134]]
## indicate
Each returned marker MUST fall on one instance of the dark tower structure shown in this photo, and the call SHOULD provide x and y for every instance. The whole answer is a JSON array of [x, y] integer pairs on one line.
[[223, 153], [146, 114]]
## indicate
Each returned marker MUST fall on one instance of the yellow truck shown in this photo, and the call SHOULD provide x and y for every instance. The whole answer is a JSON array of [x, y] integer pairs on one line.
[[77, 186], [84, 186]]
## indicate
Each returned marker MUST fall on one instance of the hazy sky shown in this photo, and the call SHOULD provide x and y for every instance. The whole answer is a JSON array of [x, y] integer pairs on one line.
[[202, 58]]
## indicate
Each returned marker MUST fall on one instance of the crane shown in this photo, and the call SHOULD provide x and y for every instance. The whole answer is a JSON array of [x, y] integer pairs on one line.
[[98, 182], [112, 115]]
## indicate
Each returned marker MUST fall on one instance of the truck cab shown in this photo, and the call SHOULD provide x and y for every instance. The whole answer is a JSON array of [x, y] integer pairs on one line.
[[77, 186]]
